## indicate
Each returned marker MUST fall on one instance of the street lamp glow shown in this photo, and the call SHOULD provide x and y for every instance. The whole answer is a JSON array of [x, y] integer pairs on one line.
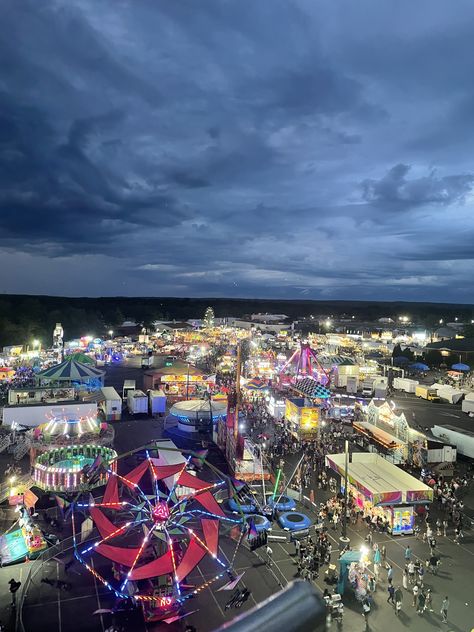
[[36, 343], [328, 323], [440, 321], [111, 332]]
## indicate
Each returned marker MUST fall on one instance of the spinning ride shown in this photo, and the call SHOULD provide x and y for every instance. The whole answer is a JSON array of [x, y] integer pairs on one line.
[[305, 363], [155, 524]]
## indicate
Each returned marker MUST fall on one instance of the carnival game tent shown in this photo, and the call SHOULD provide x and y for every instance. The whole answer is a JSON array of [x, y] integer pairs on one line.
[[71, 371], [379, 481]]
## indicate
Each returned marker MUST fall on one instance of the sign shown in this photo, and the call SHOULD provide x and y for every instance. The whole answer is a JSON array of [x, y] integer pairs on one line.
[[30, 498]]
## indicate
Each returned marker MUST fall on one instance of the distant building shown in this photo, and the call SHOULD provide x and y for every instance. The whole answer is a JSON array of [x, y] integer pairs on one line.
[[269, 318], [462, 347]]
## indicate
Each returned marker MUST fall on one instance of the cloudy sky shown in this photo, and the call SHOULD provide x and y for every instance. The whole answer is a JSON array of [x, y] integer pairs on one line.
[[248, 148]]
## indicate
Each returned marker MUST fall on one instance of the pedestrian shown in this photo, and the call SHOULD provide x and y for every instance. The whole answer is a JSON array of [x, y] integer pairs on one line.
[[269, 551], [416, 591], [421, 574], [421, 602], [445, 527], [429, 600], [438, 527], [411, 572], [14, 586], [391, 594], [444, 609], [407, 554], [405, 578], [398, 600], [376, 571], [383, 551], [377, 556], [390, 574], [297, 546]]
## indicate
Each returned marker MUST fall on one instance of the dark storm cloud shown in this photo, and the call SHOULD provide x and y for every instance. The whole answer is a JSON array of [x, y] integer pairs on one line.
[[278, 148], [396, 188]]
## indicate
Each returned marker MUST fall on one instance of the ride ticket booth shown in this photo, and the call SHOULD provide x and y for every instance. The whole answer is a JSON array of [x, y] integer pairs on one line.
[[382, 490]]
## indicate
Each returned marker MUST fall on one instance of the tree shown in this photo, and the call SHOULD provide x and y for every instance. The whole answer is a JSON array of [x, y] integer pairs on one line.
[[208, 318]]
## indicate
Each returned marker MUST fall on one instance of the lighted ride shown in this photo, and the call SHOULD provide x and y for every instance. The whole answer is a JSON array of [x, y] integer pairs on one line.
[[156, 524], [304, 363]]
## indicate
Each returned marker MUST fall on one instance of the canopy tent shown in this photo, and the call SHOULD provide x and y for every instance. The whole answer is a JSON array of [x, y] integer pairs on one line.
[[256, 384], [419, 366], [460, 366], [70, 370], [381, 482]]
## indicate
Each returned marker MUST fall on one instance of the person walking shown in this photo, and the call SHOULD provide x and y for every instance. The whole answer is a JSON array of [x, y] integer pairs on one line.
[[391, 594], [390, 574], [376, 571], [429, 600], [383, 552], [416, 591], [14, 586], [405, 578], [398, 600], [411, 572], [269, 552], [444, 609], [407, 554], [421, 602], [445, 527]]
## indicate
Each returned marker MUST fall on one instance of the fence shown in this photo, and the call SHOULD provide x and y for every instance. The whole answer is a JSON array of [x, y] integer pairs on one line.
[[34, 567]]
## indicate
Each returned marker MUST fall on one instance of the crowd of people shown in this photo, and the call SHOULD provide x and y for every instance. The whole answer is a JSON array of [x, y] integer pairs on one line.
[[444, 519]]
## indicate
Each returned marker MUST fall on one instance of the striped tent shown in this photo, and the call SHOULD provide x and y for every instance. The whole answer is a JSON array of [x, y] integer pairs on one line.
[[70, 371]]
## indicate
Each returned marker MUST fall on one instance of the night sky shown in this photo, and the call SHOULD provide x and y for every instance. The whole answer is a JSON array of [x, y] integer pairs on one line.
[[248, 148]]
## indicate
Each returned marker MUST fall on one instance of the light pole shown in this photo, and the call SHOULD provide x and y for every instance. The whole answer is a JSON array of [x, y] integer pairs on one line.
[[344, 539]]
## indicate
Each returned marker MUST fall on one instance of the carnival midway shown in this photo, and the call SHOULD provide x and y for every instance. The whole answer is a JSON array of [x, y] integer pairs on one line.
[[236, 473]]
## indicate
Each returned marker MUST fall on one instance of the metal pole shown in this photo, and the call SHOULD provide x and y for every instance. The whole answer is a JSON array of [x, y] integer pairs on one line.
[[263, 477], [276, 484], [290, 479], [237, 393], [344, 537], [187, 384]]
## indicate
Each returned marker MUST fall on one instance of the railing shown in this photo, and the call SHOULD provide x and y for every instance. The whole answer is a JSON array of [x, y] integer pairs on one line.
[[33, 568]]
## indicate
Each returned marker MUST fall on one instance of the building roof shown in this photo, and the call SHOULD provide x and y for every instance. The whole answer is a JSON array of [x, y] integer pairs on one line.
[[453, 344], [71, 370], [177, 368], [380, 481]]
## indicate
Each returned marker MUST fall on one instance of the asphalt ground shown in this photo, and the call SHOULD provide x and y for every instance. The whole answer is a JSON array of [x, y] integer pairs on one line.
[[48, 609]]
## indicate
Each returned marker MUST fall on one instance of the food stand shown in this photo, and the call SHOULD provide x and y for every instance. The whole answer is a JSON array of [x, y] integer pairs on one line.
[[303, 420], [179, 381], [382, 489]]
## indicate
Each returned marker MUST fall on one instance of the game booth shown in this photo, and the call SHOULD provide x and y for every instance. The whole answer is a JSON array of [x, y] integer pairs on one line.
[[179, 381], [303, 420], [25, 543], [382, 489]]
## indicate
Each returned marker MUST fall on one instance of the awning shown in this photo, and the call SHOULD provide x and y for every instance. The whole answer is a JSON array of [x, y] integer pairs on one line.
[[384, 438]]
